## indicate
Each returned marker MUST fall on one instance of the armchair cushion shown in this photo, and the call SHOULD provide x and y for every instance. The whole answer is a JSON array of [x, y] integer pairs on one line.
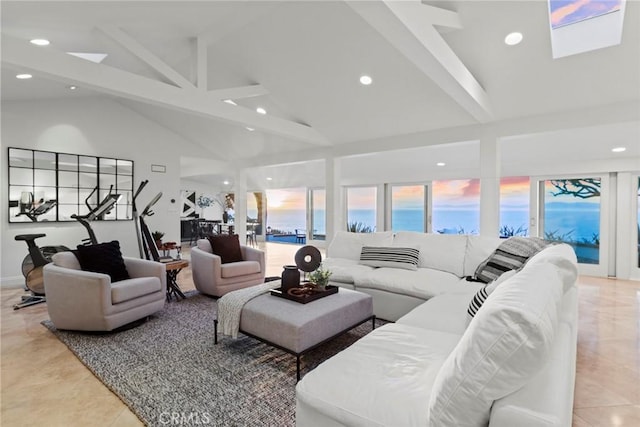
[[126, 290], [103, 258], [226, 247], [241, 268]]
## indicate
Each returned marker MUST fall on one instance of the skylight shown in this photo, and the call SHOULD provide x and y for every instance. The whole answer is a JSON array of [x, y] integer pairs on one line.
[[579, 26], [567, 12]]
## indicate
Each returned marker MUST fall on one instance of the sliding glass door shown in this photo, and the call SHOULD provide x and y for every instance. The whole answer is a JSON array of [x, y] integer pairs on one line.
[[573, 210]]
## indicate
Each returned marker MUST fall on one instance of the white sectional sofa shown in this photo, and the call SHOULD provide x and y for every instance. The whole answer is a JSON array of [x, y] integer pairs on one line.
[[513, 364], [444, 260]]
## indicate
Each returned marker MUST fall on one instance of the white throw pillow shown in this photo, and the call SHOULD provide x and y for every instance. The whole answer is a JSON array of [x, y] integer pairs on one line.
[[443, 252], [563, 257], [506, 343], [349, 245]]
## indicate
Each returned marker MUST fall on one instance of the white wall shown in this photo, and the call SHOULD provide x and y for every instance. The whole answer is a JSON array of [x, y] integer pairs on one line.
[[95, 127]]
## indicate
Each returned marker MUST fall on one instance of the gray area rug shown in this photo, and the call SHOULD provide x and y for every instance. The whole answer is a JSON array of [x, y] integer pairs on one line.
[[170, 367]]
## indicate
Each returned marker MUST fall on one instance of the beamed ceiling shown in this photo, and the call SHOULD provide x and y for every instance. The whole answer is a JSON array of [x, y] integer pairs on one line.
[[435, 65]]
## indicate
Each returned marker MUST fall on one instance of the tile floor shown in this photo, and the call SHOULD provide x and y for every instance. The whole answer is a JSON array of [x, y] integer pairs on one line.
[[42, 382]]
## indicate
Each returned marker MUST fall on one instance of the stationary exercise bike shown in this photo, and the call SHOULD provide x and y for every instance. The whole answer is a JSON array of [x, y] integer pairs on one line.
[[39, 257]]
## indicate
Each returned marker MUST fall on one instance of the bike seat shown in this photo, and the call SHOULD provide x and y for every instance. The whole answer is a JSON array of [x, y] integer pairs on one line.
[[28, 237]]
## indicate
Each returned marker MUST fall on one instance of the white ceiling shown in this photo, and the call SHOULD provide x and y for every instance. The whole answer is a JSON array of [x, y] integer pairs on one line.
[[308, 55]]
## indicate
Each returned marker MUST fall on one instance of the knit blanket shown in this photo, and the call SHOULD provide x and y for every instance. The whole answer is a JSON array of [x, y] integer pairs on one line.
[[512, 254], [230, 307]]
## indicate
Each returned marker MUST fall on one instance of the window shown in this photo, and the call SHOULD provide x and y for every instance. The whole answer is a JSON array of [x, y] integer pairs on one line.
[[318, 213], [571, 214], [286, 212], [456, 206], [408, 208], [361, 209], [514, 206]]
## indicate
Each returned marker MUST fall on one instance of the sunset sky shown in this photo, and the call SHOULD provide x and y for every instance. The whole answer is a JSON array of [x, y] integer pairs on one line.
[[514, 192], [564, 12]]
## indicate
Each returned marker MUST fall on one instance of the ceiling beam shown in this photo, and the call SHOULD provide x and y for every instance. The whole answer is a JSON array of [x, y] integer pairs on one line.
[[239, 92], [145, 55], [409, 27], [103, 78], [202, 66]]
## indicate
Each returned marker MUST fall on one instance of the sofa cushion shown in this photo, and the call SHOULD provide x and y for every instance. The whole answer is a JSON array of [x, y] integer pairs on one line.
[[227, 247], [510, 255], [438, 251], [240, 268], [479, 248], [423, 283], [129, 289], [390, 256], [383, 379], [103, 258], [506, 344], [349, 245], [345, 270], [444, 313]]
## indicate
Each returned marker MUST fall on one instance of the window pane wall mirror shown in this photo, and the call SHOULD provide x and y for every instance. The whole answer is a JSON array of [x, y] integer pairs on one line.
[[50, 186]]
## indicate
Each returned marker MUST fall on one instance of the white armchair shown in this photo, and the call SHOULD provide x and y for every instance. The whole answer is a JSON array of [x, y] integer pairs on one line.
[[214, 278], [86, 301]]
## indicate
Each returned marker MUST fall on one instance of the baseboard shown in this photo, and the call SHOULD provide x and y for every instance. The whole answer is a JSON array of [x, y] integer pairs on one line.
[[12, 282]]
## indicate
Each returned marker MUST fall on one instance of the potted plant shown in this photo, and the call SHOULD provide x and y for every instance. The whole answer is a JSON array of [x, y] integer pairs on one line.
[[320, 278], [157, 236]]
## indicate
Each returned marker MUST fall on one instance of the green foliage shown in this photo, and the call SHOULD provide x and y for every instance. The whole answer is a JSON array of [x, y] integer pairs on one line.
[[359, 227], [553, 236], [507, 231], [320, 277], [157, 235]]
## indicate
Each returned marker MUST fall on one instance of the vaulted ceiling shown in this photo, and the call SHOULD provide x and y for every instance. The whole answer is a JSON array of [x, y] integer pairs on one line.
[[434, 64]]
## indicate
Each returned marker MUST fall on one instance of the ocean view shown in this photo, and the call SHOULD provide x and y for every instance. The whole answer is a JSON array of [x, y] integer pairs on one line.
[[576, 223]]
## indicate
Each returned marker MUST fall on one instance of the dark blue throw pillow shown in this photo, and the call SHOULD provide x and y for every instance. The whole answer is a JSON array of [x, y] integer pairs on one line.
[[103, 258]]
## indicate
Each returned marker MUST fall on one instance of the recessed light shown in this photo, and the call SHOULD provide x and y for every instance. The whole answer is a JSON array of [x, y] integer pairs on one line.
[[249, 129], [23, 76], [261, 110], [366, 80], [40, 42], [513, 39], [230, 101], [225, 182], [72, 87], [619, 149], [269, 178], [440, 164]]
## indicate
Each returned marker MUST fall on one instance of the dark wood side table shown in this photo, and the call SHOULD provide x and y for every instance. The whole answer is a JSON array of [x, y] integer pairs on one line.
[[173, 268]]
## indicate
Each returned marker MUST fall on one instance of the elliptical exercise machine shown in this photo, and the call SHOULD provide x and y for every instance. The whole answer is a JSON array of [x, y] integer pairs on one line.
[[39, 257], [146, 244]]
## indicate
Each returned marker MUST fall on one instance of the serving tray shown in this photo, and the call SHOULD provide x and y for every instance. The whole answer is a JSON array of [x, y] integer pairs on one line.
[[304, 294]]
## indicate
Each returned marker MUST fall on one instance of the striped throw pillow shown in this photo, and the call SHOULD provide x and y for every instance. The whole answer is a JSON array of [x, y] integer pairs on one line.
[[390, 256], [481, 296]]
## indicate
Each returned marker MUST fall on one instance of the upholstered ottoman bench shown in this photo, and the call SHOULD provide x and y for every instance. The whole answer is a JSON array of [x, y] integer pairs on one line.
[[299, 328]]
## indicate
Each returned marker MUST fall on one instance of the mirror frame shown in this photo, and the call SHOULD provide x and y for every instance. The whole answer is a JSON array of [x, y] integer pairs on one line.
[[31, 194]]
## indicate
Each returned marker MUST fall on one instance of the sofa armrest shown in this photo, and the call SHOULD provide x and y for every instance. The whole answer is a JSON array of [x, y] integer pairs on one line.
[[253, 254], [205, 268], [144, 268], [71, 290]]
